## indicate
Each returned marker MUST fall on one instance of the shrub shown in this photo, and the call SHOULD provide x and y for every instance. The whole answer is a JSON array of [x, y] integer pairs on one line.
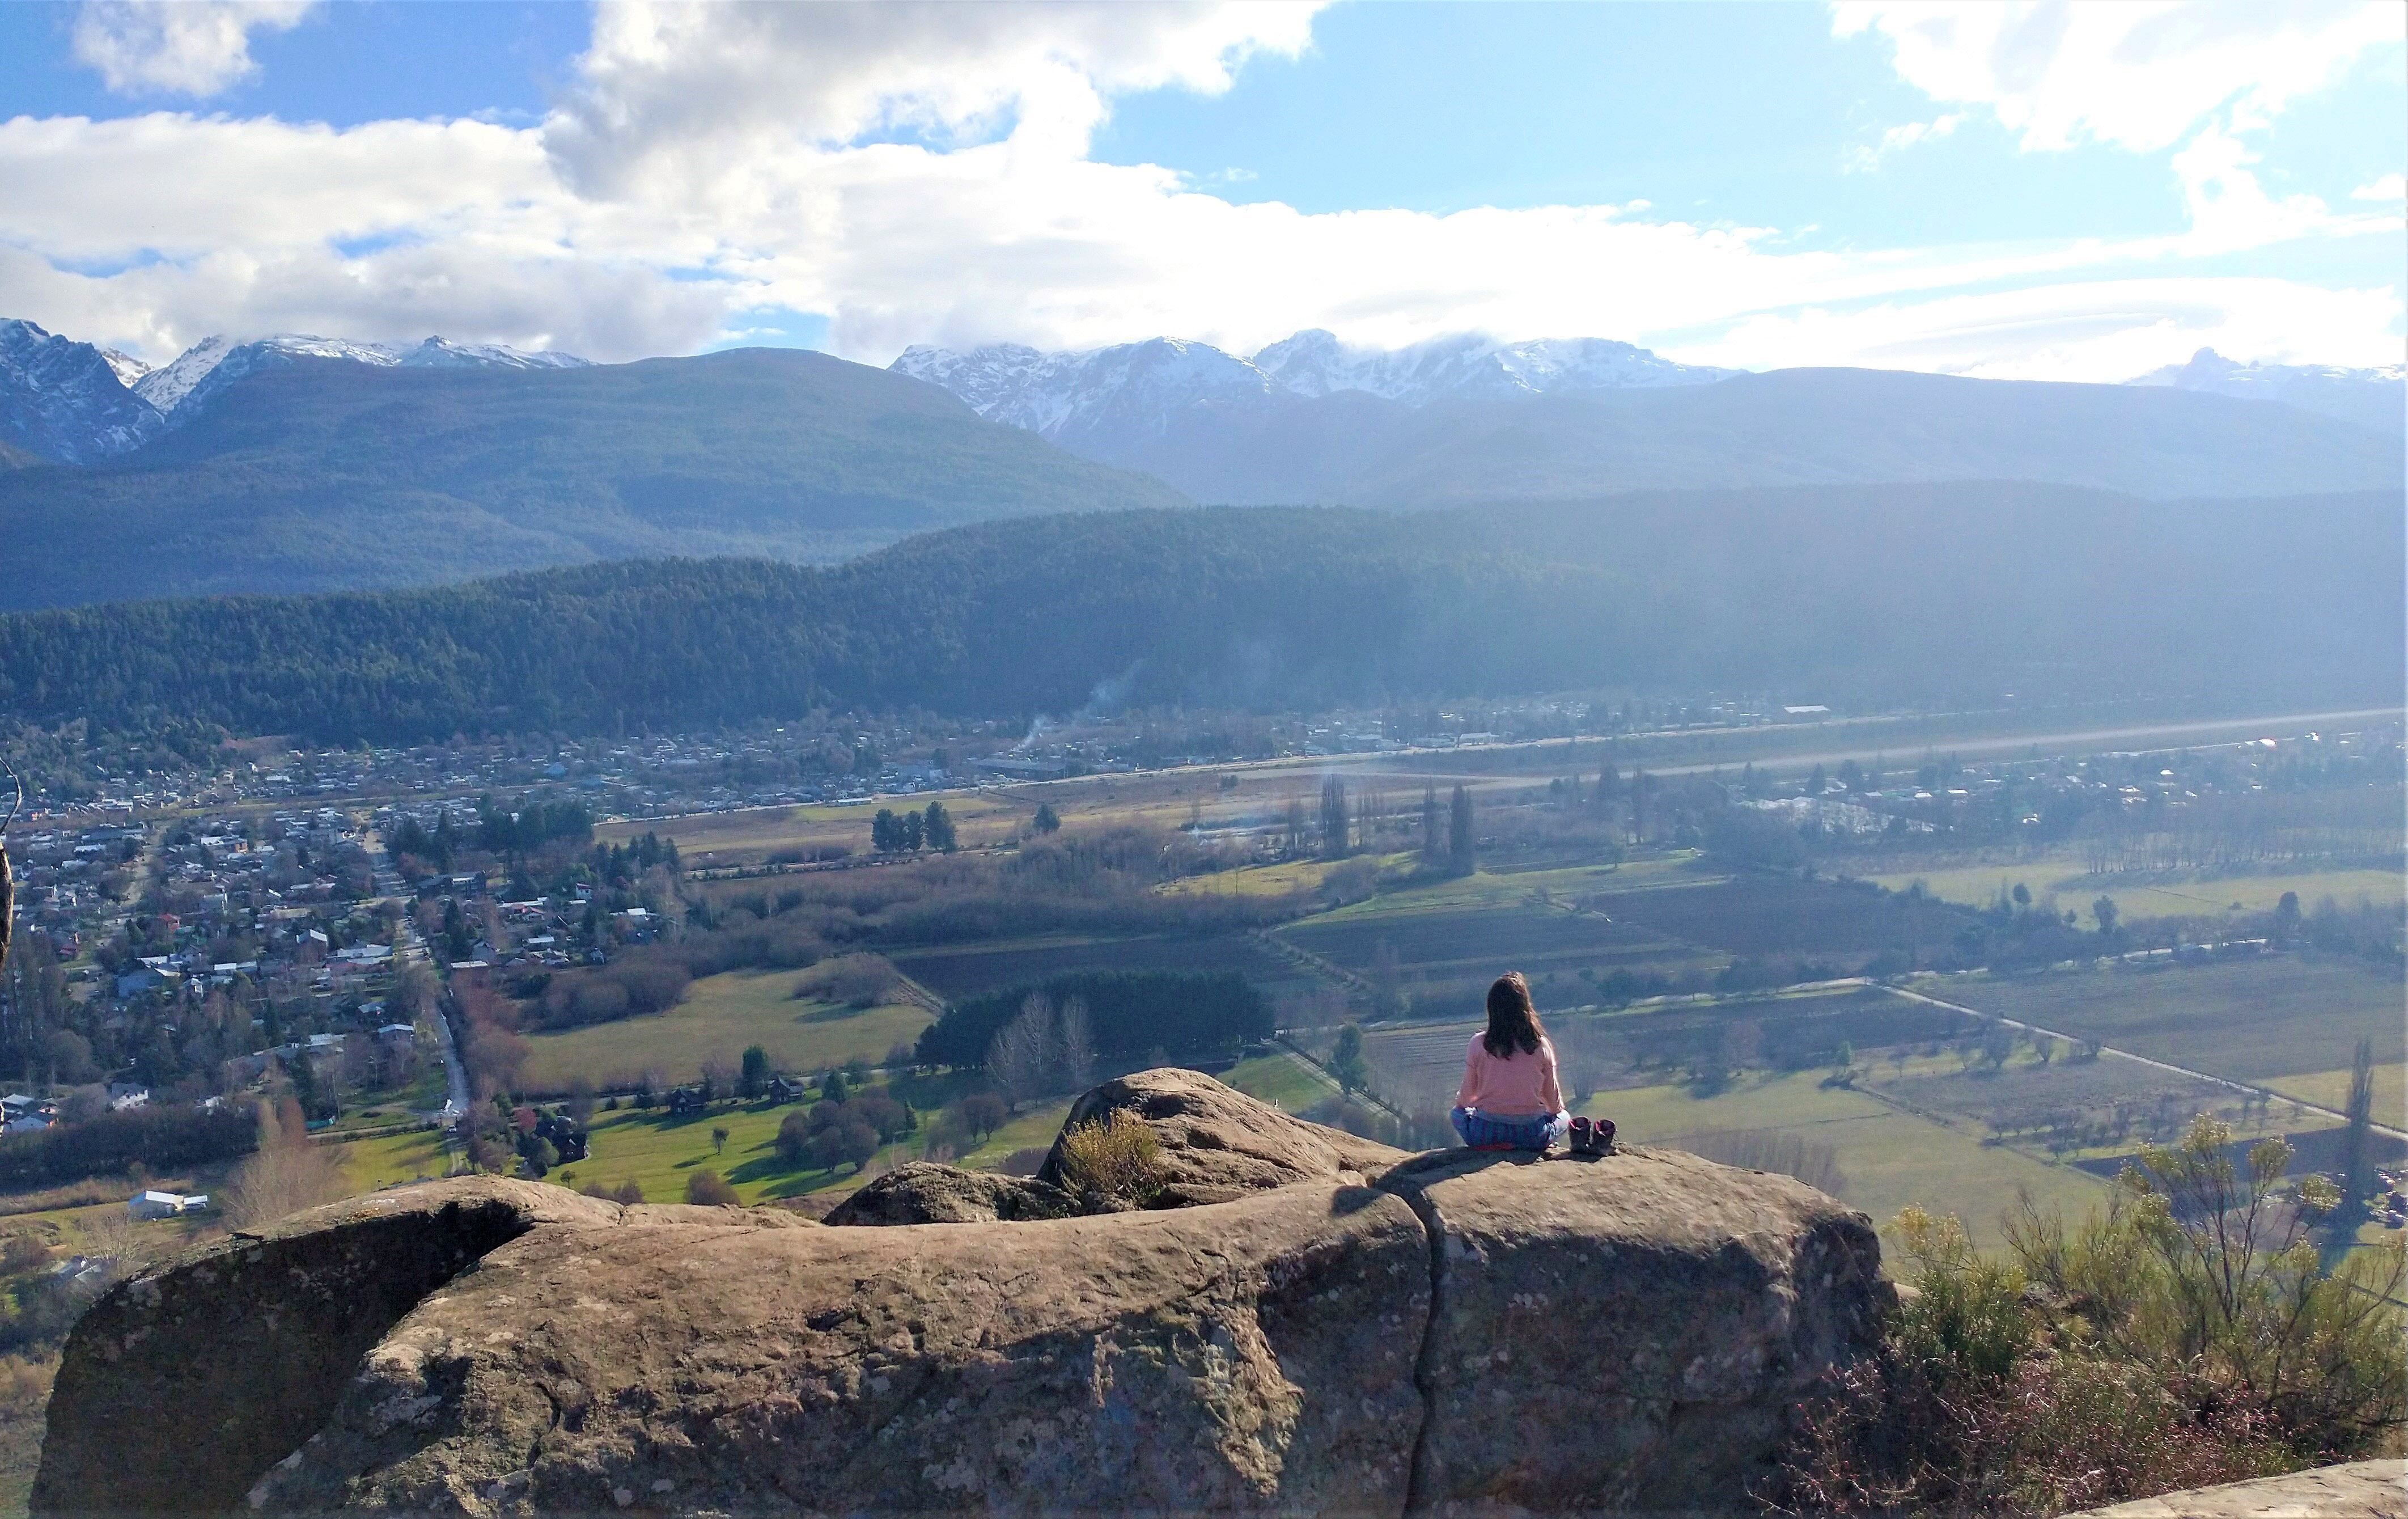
[[1116, 1156], [709, 1189], [2183, 1337]]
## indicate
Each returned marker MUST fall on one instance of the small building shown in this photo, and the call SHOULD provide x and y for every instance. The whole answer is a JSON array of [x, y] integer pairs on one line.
[[684, 1102], [155, 1204]]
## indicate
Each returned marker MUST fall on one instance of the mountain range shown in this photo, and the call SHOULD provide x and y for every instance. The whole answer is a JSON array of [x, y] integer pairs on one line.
[[319, 473], [297, 463], [1464, 418]]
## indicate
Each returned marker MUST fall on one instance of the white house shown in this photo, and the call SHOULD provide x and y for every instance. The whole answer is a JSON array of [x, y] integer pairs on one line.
[[154, 1204]]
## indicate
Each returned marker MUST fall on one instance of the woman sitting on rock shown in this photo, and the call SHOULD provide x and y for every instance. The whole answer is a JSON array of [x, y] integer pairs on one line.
[[1510, 1099]]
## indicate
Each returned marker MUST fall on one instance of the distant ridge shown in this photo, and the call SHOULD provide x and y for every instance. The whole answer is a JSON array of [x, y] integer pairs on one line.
[[2372, 398], [1309, 420], [314, 473]]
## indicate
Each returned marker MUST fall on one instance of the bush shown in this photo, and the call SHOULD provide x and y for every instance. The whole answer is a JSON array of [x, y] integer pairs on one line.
[[1116, 1156], [2183, 1337], [709, 1189]]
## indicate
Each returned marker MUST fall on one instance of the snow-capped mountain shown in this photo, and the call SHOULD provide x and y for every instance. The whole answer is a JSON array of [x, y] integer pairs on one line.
[[214, 363], [1472, 367], [2376, 398], [64, 400], [1133, 390], [1138, 389]]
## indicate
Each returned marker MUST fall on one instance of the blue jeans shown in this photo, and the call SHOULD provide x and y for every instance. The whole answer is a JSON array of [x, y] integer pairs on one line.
[[1535, 1132]]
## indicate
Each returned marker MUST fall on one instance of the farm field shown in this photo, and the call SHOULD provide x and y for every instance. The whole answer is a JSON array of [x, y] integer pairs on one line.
[[2330, 1089], [2246, 1020], [395, 1158], [1889, 1158], [1280, 1079], [708, 841], [1765, 915], [1447, 956], [720, 1015], [2181, 894], [955, 971]]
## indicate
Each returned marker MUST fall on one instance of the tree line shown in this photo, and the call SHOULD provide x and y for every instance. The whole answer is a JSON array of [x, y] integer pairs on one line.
[[1877, 594]]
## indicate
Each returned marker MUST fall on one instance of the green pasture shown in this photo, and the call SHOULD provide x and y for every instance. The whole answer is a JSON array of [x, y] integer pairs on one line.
[[2330, 1089], [1280, 1079], [1889, 1158], [720, 1015]]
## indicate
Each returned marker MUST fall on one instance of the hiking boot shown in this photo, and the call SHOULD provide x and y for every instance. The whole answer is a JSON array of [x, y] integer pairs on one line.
[[1600, 1137], [1579, 1137]]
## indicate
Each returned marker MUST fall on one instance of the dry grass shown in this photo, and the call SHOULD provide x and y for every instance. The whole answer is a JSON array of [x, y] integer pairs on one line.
[[1117, 1155]]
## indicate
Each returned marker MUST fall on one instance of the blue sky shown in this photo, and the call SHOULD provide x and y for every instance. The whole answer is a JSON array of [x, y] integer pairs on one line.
[[2021, 189]]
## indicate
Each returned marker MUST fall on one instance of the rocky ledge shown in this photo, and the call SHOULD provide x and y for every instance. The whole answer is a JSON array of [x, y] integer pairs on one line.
[[1305, 1323]]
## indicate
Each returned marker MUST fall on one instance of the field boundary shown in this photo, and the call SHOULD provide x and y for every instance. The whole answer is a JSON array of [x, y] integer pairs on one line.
[[2225, 1082]]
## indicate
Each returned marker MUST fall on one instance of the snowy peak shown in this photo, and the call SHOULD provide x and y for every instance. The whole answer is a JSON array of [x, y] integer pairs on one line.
[[1133, 389], [1138, 389], [2376, 399], [442, 353], [1471, 368], [64, 400], [214, 363]]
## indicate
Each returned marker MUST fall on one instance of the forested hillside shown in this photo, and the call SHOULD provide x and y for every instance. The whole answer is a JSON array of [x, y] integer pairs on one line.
[[1891, 594], [321, 475]]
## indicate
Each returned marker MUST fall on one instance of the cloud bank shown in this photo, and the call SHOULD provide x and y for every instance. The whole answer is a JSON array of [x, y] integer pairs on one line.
[[917, 173]]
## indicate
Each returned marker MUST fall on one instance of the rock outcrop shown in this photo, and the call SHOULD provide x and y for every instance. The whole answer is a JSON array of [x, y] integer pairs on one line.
[[1348, 1331], [2357, 1490], [923, 1193], [1218, 1144], [183, 1384]]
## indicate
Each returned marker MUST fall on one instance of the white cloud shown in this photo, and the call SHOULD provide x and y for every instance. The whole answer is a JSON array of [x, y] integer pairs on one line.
[[715, 170], [2391, 187], [2088, 330], [194, 47], [1905, 134], [669, 92], [2139, 73]]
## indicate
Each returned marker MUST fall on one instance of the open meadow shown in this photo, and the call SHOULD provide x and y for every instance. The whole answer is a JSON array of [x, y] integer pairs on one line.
[[721, 1016]]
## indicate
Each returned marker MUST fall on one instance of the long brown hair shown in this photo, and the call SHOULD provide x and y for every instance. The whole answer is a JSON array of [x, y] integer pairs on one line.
[[1513, 1021]]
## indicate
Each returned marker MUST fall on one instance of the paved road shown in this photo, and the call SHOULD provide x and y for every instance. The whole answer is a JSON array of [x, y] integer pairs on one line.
[[2140, 1059]]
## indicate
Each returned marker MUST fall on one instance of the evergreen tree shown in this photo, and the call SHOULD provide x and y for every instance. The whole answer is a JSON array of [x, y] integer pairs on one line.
[[1429, 824], [1458, 842], [1333, 818], [1048, 821], [2358, 1153], [885, 835], [937, 827], [908, 837]]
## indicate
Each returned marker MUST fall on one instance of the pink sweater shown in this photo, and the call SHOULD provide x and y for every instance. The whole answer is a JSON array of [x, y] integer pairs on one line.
[[1518, 1086]]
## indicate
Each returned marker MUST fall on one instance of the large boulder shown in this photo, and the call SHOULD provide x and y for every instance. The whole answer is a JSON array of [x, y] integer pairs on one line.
[[1250, 1358], [183, 1384], [1625, 1332], [1218, 1143], [925, 1193]]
